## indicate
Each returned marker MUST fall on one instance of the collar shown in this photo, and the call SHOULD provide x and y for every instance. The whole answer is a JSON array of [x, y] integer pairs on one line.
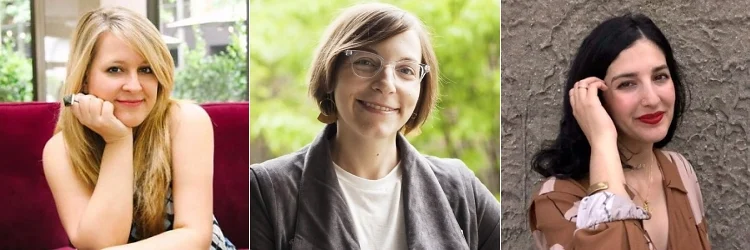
[[323, 217], [669, 170]]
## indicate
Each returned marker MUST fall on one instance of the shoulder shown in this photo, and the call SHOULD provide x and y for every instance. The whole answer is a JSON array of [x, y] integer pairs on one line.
[[451, 165], [54, 152], [54, 143], [449, 169], [187, 111], [684, 168], [690, 182], [188, 116], [672, 155], [457, 180], [56, 163], [191, 139], [679, 160], [281, 169]]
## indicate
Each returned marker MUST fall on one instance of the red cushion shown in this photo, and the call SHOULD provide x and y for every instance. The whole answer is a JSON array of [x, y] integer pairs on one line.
[[28, 217], [231, 169]]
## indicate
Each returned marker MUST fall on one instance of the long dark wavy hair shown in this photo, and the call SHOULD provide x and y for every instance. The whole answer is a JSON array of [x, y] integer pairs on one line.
[[568, 155]]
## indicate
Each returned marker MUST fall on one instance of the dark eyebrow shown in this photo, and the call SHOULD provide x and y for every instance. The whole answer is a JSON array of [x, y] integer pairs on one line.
[[656, 69], [400, 59], [660, 68], [623, 76]]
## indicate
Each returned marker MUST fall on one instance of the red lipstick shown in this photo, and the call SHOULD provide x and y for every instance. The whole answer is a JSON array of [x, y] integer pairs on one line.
[[652, 119]]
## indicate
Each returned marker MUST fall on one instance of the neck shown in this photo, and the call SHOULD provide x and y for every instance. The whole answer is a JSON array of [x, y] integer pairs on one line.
[[637, 153], [369, 158]]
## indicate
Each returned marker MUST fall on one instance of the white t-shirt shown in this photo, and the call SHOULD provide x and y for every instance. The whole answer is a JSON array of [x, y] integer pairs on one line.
[[377, 209]]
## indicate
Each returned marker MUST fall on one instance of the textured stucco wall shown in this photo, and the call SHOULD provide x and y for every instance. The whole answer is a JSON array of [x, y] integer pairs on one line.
[[711, 41]]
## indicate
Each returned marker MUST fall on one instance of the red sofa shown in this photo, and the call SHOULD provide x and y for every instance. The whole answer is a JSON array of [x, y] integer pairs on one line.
[[28, 217]]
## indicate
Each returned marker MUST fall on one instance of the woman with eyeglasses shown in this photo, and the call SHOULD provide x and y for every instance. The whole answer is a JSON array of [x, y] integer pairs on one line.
[[360, 184], [610, 182]]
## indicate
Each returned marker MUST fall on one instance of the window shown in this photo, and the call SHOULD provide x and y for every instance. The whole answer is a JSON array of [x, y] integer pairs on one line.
[[217, 49], [174, 54], [16, 71], [209, 38], [206, 38]]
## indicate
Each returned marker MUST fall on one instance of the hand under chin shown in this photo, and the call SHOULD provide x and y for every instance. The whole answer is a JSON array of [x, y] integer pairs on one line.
[[130, 121]]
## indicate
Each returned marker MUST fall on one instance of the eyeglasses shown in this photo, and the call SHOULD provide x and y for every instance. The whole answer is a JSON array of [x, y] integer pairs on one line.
[[367, 64]]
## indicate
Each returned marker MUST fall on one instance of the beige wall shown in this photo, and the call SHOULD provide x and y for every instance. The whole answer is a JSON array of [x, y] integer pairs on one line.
[[711, 41]]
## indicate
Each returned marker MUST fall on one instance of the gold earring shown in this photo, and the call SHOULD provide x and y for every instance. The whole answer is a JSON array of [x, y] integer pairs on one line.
[[327, 110], [415, 130]]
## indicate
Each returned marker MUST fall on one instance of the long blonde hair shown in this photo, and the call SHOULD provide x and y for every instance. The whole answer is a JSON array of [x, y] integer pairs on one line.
[[151, 147]]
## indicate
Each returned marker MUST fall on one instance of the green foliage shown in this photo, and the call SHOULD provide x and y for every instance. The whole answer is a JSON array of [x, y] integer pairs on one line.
[[19, 11], [15, 75], [15, 69], [220, 77], [466, 38]]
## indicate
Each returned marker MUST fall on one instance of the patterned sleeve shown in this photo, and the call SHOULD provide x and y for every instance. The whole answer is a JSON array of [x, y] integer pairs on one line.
[[605, 220], [605, 207]]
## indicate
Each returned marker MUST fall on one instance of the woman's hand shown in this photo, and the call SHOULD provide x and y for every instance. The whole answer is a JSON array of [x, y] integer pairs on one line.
[[98, 115], [600, 131], [593, 119]]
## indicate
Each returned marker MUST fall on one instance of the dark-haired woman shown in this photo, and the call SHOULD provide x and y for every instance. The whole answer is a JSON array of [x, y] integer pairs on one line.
[[610, 182]]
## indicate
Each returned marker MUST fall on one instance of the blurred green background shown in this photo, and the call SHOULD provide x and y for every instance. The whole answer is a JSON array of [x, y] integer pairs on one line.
[[466, 38]]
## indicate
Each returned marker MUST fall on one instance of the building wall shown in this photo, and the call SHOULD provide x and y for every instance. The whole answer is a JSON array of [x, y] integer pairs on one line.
[[711, 41]]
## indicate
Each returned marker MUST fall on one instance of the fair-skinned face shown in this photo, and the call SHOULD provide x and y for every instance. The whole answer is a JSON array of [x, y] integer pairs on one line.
[[641, 96], [379, 106], [120, 75]]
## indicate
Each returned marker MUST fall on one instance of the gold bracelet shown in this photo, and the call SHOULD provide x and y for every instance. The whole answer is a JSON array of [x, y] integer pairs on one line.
[[596, 187]]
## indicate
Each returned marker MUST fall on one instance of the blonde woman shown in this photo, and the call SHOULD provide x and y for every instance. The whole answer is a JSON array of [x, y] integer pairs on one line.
[[360, 184], [130, 168]]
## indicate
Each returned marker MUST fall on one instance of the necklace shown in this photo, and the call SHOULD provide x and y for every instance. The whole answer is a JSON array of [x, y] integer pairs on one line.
[[648, 187]]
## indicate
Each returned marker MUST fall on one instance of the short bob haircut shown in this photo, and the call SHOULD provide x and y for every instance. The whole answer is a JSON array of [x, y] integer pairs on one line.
[[568, 156], [365, 25]]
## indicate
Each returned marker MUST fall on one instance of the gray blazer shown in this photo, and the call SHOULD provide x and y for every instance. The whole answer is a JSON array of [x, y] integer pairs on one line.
[[297, 203]]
